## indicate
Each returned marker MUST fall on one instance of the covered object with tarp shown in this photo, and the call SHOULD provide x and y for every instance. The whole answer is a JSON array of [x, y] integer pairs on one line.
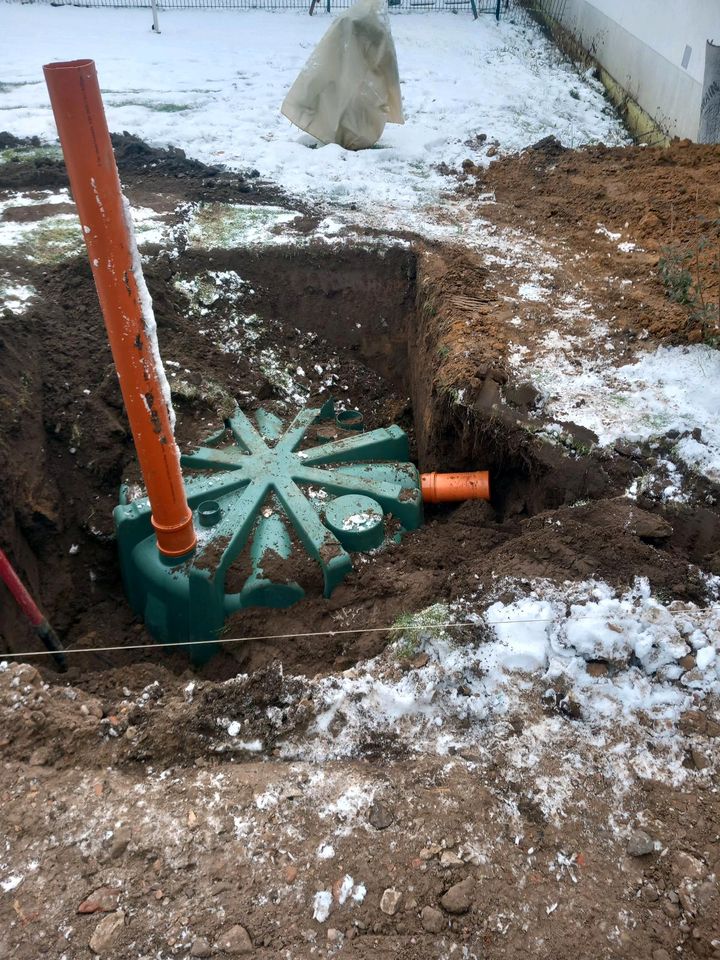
[[350, 87]]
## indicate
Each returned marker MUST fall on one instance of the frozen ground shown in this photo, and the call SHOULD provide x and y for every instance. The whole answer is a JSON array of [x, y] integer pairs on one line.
[[212, 83], [601, 655]]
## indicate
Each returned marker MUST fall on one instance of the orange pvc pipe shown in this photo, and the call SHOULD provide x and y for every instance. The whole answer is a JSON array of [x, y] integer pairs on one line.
[[124, 299], [452, 487]]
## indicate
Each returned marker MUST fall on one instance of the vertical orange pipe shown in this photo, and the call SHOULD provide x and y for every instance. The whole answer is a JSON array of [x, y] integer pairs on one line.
[[124, 299]]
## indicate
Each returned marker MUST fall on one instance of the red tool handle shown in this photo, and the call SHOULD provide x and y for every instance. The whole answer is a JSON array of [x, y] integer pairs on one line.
[[31, 610], [15, 586]]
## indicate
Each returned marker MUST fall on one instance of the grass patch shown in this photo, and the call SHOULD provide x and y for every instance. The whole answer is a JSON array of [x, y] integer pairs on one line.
[[29, 154], [155, 105], [412, 630], [227, 225]]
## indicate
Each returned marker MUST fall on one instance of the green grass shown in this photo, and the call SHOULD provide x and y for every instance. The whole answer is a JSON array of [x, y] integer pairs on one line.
[[228, 225], [411, 630], [22, 154]]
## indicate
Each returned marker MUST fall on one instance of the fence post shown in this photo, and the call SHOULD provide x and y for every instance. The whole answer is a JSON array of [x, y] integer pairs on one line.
[[156, 24]]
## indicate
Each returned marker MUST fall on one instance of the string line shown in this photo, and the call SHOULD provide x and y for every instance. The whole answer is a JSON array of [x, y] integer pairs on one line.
[[395, 628]]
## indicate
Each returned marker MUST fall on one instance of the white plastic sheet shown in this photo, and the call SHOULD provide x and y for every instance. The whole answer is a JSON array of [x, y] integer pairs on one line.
[[350, 87]]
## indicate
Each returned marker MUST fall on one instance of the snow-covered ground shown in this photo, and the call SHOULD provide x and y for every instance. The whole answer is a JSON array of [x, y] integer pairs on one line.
[[600, 654], [212, 83]]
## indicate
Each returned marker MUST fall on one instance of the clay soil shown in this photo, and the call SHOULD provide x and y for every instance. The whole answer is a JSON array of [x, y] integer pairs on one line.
[[189, 854]]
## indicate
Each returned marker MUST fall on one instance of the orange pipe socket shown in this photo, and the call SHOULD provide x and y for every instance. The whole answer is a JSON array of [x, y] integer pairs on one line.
[[452, 487], [124, 299]]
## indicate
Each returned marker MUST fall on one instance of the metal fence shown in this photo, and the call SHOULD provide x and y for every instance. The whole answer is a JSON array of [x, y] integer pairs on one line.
[[555, 9], [500, 9]]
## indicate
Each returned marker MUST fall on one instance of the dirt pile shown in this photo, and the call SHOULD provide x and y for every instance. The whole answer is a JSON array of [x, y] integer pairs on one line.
[[545, 827], [666, 201], [29, 165]]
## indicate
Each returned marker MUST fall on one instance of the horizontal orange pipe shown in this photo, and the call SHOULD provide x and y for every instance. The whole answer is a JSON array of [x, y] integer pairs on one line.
[[124, 299], [453, 487]]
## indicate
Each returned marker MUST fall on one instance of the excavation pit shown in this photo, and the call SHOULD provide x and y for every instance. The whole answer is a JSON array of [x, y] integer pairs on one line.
[[373, 325]]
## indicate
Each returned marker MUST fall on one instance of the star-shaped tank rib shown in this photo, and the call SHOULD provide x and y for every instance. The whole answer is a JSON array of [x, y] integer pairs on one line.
[[265, 497]]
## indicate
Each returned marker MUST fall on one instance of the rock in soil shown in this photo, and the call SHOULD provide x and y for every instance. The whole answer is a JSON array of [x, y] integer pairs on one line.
[[379, 816], [432, 919], [390, 901], [103, 900], [640, 844], [459, 897], [107, 932], [236, 941], [200, 948]]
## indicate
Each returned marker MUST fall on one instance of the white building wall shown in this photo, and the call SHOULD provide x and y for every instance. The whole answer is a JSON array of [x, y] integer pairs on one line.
[[655, 49]]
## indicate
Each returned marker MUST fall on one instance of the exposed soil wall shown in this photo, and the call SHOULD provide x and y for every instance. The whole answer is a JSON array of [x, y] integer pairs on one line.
[[411, 335]]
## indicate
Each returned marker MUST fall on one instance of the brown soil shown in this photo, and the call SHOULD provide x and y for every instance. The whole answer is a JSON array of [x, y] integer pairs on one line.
[[200, 848], [102, 817], [147, 167], [401, 331], [664, 199]]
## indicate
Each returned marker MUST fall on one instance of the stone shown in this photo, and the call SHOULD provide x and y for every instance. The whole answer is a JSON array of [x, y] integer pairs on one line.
[[25, 674], [428, 853], [491, 151], [94, 708], [432, 920], [640, 844], [334, 936], [684, 865], [235, 941], [671, 910], [450, 859], [597, 668], [200, 948], [699, 759], [40, 757], [118, 844], [459, 897], [290, 873], [103, 900], [390, 901], [107, 932], [380, 816], [661, 955]]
